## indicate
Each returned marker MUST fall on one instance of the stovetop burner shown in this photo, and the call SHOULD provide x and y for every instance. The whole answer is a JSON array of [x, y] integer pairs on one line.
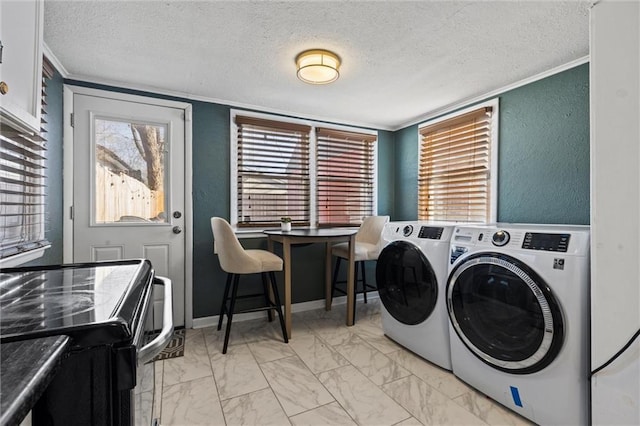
[[71, 299]]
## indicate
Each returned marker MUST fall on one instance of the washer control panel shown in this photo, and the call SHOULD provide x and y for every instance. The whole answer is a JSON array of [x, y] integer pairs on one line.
[[546, 242], [407, 230]]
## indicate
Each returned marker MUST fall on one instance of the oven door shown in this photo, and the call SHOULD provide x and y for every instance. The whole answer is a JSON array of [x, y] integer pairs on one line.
[[144, 392]]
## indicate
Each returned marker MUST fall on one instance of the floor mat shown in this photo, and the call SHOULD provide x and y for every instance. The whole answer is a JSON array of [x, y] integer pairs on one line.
[[175, 348]]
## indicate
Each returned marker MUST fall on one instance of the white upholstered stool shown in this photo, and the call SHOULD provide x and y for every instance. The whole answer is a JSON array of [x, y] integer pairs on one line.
[[236, 261], [367, 248]]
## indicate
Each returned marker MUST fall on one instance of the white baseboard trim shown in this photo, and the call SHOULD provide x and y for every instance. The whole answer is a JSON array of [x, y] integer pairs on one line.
[[212, 321]]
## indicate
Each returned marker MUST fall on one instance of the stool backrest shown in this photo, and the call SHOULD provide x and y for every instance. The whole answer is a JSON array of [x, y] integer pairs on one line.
[[371, 229], [231, 254]]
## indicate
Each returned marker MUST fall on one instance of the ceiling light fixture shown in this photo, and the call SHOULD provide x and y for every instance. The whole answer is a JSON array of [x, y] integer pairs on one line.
[[318, 66]]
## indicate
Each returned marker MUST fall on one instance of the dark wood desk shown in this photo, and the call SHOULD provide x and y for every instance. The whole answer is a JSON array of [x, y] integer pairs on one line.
[[306, 236]]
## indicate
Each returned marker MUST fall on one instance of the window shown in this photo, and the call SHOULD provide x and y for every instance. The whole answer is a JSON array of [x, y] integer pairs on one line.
[[345, 176], [273, 172], [318, 176], [23, 185], [457, 164]]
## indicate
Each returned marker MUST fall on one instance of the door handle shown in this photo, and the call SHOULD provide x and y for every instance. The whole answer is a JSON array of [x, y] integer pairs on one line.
[[177, 230], [177, 215]]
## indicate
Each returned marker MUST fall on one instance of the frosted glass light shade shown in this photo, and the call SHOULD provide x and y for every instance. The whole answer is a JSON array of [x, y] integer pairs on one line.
[[318, 66]]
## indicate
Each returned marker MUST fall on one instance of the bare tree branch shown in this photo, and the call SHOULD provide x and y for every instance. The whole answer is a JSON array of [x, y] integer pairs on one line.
[[136, 140]]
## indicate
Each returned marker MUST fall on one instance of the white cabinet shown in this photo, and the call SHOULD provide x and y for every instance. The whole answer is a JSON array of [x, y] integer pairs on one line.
[[21, 68]]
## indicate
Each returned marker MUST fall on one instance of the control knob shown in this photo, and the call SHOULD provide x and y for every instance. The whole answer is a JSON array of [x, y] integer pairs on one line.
[[407, 230], [500, 238]]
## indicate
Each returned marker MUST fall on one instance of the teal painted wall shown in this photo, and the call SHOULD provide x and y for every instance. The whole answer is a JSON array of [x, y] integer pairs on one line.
[[405, 182], [543, 174], [211, 170], [544, 150], [543, 154], [386, 170]]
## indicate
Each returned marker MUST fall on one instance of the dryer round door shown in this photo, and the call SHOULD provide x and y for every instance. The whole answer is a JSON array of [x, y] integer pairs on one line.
[[504, 313], [407, 284]]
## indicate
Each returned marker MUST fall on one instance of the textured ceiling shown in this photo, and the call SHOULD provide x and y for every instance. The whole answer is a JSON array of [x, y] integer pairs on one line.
[[401, 60]]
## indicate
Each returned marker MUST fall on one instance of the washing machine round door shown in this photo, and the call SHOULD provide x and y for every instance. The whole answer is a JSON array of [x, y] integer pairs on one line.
[[406, 282], [504, 313]]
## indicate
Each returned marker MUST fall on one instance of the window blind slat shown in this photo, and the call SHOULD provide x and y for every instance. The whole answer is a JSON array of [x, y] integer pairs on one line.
[[273, 172], [453, 178], [344, 177], [23, 184], [270, 125]]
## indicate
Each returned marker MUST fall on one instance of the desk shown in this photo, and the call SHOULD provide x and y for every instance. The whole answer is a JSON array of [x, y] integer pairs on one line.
[[306, 236]]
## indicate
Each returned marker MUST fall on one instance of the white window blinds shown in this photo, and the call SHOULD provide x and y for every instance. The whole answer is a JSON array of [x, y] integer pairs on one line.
[[23, 185], [273, 172], [454, 168], [345, 176]]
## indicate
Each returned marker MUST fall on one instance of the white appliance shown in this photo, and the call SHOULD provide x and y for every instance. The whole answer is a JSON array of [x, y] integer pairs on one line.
[[411, 275], [518, 304]]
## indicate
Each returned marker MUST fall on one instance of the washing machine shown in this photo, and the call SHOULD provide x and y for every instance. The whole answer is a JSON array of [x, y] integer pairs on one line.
[[411, 274], [518, 306]]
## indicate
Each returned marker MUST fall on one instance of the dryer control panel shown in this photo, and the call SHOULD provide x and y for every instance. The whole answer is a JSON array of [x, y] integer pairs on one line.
[[430, 232]]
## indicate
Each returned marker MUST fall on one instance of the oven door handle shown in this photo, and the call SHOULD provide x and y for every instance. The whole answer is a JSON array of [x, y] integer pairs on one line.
[[154, 347]]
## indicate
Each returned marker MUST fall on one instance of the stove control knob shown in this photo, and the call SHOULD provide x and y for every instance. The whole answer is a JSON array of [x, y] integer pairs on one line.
[[500, 238], [407, 230]]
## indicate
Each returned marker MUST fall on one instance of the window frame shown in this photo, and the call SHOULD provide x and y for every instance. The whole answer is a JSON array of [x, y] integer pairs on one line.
[[493, 155], [233, 156]]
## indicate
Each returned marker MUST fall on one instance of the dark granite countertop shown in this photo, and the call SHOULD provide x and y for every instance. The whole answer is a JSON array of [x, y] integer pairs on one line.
[[26, 368]]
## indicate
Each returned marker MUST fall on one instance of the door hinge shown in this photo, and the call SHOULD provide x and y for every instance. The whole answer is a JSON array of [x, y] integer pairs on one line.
[[71, 119], [71, 212]]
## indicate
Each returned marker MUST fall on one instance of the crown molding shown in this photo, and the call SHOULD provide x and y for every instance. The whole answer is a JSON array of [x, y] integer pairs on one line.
[[334, 120], [475, 99], [54, 61]]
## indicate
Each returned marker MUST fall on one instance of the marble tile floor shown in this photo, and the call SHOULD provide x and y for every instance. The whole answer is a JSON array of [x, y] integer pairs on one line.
[[328, 374]]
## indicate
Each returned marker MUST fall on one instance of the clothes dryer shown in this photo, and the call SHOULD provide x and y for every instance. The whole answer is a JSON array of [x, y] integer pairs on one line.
[[411, 275], [517, 299]]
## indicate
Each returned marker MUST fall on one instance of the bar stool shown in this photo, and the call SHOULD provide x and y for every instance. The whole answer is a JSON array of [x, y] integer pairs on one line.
[[367, 248], [236, 261]]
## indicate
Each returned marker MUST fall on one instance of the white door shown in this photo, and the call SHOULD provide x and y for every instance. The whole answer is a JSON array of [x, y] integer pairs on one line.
[[128, 186]]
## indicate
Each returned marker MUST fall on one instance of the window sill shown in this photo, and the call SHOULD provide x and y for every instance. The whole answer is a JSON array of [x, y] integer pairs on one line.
[[22, 258]]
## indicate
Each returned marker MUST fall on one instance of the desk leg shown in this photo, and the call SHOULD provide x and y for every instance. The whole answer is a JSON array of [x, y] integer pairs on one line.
[[327, 278], [350, 281], [286, 252]]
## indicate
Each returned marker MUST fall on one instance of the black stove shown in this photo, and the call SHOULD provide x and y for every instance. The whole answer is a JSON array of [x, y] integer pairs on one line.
[[104, 308], [96, 303]]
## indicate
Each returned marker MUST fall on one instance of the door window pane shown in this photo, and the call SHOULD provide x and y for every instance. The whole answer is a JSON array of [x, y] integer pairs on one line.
[[130, 172]]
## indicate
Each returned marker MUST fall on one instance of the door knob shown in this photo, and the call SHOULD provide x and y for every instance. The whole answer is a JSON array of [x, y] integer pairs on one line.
[[177, 214], [177, 230]]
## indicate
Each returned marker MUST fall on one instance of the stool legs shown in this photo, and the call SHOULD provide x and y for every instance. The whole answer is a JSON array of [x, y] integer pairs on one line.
[[234, 294], [232, 286], [364, 281], [223, 307], [276, 296], [355, 281], [268, 301]]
